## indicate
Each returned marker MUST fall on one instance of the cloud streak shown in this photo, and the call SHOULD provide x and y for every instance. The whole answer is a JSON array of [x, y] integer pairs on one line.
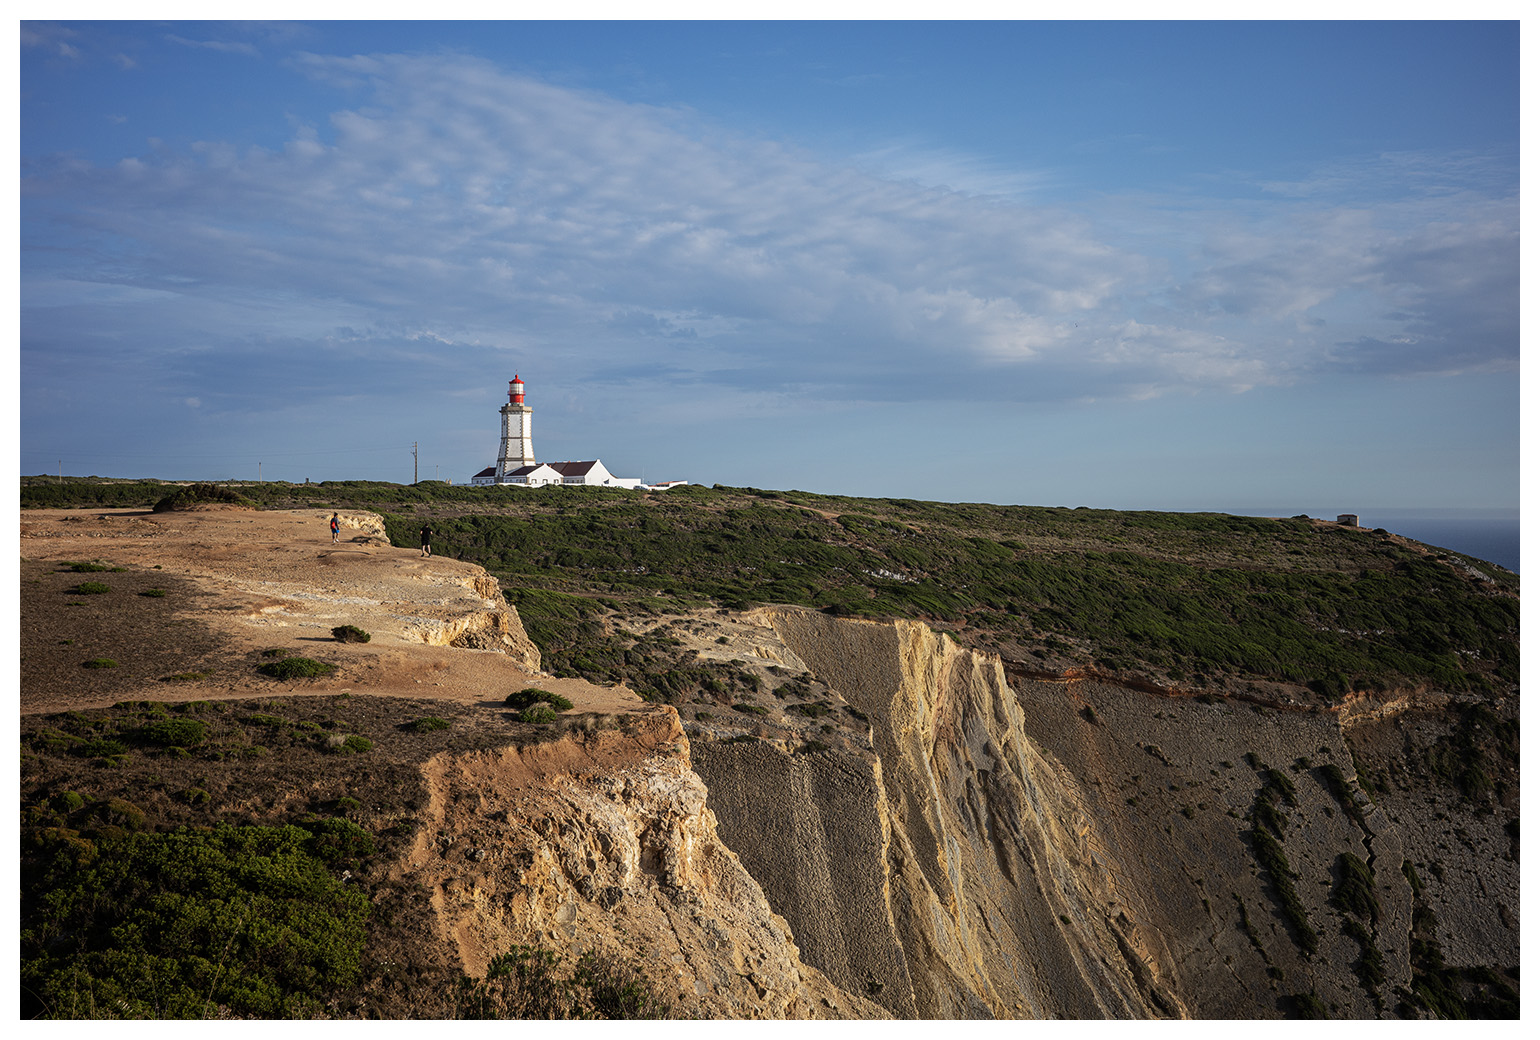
[[449, 210]]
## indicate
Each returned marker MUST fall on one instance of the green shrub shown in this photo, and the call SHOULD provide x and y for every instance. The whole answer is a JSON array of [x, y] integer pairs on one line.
[[751, 709], [118, 812], [350, 634], [91, 588], [1355, 893], [540, 713], [153, 593], [67, 801], [277, 651], [195, 495], [426, 724], [99, 662], [297, 668], [181, 732], [352, 744], [338, 842], [813, 710], [1307, 1005], [530, 983], [181, 677], [531, 695]]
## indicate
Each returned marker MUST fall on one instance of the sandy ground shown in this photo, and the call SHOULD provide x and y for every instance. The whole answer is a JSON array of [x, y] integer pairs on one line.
[[254, 581]]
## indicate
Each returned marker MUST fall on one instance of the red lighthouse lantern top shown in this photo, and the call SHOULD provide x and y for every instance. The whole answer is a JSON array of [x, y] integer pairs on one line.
[[516, 390]]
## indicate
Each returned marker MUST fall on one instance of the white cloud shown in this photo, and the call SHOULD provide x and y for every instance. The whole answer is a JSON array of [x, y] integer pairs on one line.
[[223, 46], [456, 204]]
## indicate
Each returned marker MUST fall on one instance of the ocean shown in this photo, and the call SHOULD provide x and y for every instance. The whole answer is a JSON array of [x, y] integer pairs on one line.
[[1494, 539], [1491, 535]]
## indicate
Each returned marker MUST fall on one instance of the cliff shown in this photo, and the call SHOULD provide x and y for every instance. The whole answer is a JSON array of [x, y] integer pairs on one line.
[[1079, 849], [919, 836]]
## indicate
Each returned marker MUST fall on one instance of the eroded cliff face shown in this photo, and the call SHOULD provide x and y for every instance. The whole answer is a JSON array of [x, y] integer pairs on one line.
[[973, 867], [602, 841], [986, 849], [1079, 849]]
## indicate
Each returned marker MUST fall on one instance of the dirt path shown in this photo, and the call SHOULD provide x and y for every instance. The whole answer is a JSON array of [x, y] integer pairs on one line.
[[239, 583]]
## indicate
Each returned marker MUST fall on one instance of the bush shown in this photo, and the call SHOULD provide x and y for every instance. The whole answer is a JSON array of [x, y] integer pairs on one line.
[[350, 634], [538, 713], [116, 812], [529, 983], [101, 747], [99, 662], [153, 593], [68, 801], [425, 725], [297, 668], [195, 495], [352, 744], [531, 695], [171, 733], [91, 588]]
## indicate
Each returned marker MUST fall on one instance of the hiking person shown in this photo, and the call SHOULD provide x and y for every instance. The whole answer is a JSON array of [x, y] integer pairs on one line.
[[336, 526], [427, 538]]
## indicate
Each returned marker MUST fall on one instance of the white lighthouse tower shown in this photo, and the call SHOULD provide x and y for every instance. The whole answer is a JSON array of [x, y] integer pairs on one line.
[[518, 450]]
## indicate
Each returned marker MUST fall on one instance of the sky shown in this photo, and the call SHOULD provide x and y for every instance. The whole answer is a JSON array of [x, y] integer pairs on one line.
[[1240, 266]]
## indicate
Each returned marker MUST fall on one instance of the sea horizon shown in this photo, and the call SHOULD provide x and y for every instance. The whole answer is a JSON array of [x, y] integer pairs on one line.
[[1491, 534]]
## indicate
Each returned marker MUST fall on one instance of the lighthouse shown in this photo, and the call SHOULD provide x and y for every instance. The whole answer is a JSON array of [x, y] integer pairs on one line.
[[518, 450], [516, 465]]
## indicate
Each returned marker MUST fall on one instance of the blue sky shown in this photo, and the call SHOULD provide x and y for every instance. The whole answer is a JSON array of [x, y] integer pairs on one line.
[[1263, 266]]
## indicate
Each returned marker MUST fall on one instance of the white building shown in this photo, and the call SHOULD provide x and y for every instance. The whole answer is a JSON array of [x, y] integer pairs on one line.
[[516, 463]]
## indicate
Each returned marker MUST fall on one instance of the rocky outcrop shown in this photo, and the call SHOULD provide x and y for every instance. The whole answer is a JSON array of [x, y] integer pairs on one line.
[[970, 860], [602, 841], [1080, 849]]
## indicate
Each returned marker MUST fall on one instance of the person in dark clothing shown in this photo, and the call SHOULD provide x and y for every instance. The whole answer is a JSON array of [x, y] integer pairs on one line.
[[427, 540], [335, 527]]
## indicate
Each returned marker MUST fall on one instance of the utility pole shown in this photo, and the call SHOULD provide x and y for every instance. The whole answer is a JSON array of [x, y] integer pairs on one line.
[[414, 462]]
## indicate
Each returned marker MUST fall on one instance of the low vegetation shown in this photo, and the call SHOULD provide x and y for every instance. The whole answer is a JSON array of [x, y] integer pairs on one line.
[[1196, 599], [533, 695], [288, 668], [194, 923], [536, 983], [194, 496]]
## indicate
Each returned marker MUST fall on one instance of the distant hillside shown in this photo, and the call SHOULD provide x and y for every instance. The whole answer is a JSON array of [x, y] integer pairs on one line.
[[1193, 600]]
